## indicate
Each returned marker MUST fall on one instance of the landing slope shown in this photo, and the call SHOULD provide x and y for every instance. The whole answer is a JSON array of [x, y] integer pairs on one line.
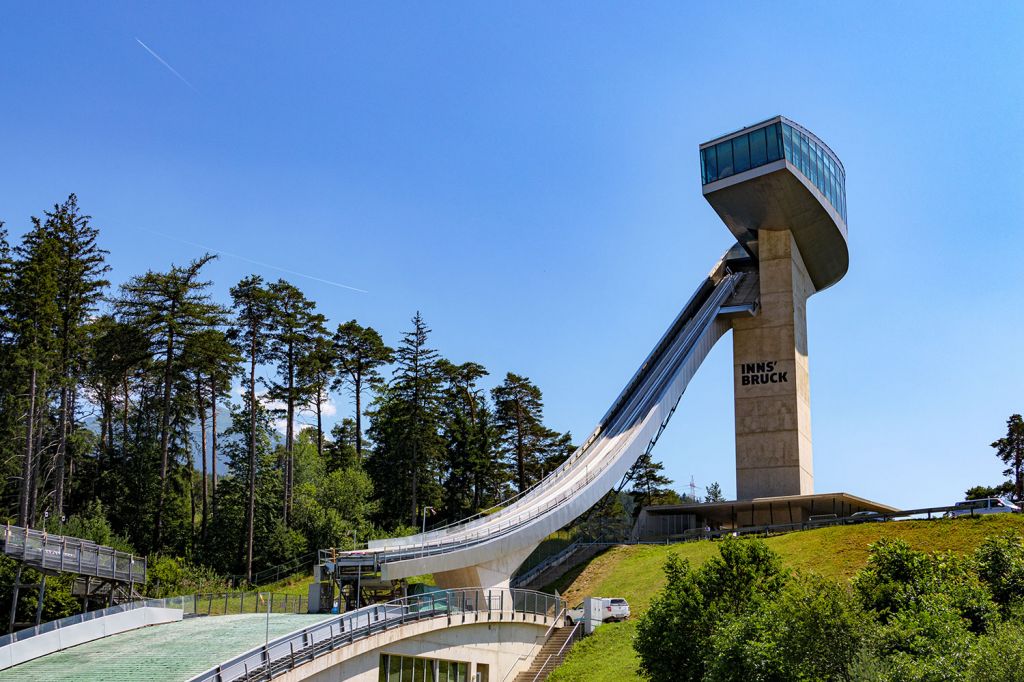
[[635, 572]]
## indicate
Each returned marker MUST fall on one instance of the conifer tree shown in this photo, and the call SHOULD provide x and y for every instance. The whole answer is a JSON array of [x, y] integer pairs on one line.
[[1010, 449], [519, 407], [316, 371], [360, 353], [213, 360], [295, 325], [80, 284], [252, 304], [169, 307]]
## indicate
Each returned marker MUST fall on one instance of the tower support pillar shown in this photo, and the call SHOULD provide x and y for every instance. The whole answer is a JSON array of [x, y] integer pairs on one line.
[[772, 383]]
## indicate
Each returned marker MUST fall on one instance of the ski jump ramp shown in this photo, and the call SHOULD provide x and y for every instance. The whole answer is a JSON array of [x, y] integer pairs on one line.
[[486, 550]]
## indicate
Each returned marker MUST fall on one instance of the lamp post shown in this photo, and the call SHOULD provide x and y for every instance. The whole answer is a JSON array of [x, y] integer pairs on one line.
[[425, 510]]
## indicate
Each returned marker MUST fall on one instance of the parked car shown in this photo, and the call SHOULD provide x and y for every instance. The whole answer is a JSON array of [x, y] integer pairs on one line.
[[612, 610], [866, 515], [822, 520], [989, 505]]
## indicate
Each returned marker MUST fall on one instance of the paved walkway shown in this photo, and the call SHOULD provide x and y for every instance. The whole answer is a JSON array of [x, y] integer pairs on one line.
[[173, 652]]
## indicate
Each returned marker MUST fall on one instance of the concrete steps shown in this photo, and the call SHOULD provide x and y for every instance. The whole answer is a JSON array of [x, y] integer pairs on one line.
[[548, 658]]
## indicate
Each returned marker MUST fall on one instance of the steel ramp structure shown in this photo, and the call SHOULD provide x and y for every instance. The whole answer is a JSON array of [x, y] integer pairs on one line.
[[62, 554], [485, 550]]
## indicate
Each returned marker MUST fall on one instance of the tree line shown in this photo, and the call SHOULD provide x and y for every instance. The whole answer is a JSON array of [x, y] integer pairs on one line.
[[171, 417]]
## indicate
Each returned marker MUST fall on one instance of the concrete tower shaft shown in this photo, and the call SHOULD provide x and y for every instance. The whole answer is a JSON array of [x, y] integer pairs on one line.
[[782, 192]]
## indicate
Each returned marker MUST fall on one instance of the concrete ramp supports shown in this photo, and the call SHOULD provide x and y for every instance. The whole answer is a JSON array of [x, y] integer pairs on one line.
[[493, 574]]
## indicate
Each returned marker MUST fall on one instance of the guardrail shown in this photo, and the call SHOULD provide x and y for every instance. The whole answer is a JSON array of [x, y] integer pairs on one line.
[[73, 555], [191, 605], [685, 339], [459, 607]]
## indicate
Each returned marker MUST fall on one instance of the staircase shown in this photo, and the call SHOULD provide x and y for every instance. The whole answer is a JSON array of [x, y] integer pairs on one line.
[[551, 654]]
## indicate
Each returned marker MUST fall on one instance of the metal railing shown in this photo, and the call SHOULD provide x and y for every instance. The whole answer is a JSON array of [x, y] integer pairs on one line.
[[191, 605], [660, 374], [40, 549], [457, 607], [574, 634]]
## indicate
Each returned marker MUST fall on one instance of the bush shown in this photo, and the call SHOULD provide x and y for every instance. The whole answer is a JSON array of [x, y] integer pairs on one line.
[[674, 637], [814, 630]]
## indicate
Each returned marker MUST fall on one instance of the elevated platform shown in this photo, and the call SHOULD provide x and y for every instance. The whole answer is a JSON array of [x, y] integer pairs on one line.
[[54, 554]]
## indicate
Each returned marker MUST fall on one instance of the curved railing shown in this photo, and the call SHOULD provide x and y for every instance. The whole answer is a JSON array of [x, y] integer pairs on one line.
[[459, 607]]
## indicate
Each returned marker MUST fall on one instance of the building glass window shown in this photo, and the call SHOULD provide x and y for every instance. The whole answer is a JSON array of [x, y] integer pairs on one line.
[[724, 152], [740, 154], [416, 669], [710, 165], [758, 148], [787, 141], [773, 143]]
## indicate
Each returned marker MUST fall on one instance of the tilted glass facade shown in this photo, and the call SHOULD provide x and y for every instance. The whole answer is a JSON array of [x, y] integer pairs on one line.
[[770, 143]]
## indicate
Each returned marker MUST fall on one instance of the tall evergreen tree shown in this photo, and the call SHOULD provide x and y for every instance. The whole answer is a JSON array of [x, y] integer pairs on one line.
[[525, 440], [295, 326], [1010, 449], [170, 307], [213, 361], [34, 318], [252, 303], [80, 269], [360, 353], [470, 455], [316, 371]]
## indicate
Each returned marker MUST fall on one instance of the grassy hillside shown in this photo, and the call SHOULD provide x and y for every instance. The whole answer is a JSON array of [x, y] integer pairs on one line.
[[635, 573]]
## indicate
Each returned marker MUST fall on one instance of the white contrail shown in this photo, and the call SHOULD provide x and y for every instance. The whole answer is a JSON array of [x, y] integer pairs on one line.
[[256, 262], [169, 67]]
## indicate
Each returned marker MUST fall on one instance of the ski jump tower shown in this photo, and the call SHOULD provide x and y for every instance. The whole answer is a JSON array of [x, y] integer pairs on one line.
[[782, 193]]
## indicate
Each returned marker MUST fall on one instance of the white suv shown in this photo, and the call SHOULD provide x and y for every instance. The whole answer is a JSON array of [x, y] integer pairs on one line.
[[989, 505]]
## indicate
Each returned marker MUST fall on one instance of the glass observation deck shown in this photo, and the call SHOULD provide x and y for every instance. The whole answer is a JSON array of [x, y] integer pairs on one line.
[[772, 141]]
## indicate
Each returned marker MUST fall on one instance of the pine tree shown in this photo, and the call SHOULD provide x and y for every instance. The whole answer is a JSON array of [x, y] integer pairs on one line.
[[360, 353], [316, 371], [648, 483], [519, 410], [295, 325], [470, 455], [169, 307], [252, 304], [213, 361], [1010, 449], [34, 319], [80, 284]]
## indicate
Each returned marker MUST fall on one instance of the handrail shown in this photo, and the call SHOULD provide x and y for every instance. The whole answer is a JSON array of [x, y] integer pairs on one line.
[[457, 606], [558, 654]]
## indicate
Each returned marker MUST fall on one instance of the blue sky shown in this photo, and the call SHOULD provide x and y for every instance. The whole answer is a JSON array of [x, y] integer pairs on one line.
[[527, 176]]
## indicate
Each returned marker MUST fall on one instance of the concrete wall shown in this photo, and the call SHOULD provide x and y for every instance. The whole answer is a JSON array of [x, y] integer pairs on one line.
[[80, 633], [771, 378], [506, 648]]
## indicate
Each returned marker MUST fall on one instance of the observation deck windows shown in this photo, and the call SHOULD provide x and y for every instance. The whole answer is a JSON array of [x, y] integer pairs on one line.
[[741, 153], [770, 143]]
